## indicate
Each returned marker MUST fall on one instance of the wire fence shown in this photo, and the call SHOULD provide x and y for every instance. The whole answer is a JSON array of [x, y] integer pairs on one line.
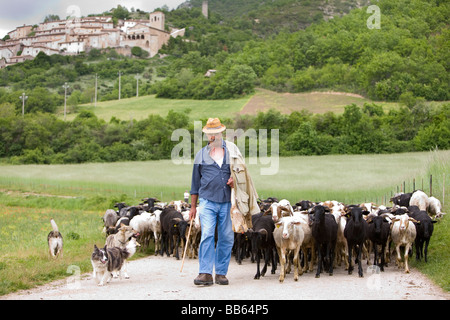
[[433, 185]]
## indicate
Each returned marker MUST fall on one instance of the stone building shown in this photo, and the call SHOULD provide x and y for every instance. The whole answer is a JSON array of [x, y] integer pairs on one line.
[[83, 34], [150, 35]]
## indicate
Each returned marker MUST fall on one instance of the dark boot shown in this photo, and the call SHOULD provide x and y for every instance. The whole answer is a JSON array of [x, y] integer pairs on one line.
[[204, 279], [221, 279]]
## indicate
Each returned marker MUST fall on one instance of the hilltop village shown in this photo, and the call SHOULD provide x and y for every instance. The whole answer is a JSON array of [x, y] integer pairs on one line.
[[70, 37]]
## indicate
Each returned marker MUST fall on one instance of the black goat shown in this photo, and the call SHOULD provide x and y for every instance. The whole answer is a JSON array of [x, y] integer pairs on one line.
[[424, 229], [172, 226], [378, 233], [356, 233], [262, 241], [241, 246], [324, 231], [122, 208], [402, 199], [149, 204], [129, 214], [304, 205]]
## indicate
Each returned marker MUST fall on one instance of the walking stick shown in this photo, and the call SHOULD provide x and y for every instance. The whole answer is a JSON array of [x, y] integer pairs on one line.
[[186, 245]]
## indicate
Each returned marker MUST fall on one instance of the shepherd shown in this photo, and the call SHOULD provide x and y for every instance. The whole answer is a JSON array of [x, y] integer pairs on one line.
[[218, 167]]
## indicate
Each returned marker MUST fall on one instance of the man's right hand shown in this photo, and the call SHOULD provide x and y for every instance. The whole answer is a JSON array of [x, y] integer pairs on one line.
[[193, 211]]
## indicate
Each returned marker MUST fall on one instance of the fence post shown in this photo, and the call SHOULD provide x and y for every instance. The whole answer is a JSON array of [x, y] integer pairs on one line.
[[431, 185], [443, 189]]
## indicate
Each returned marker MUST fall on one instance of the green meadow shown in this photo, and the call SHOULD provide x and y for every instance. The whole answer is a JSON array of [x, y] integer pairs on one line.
[[362, 177], [76, 196], [140, 108], [263, 100]]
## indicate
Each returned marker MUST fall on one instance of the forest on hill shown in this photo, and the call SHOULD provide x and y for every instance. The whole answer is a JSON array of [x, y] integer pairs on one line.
[[408, 55], [406, 59], [267, 17]]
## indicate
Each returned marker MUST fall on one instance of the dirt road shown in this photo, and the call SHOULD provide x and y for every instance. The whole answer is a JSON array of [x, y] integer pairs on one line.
[[159, 278]]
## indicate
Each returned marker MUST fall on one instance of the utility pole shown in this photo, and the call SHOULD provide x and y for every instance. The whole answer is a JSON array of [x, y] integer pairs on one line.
[[137, 85], [65, 86], [120, 86], [23, 97], [95, 98]]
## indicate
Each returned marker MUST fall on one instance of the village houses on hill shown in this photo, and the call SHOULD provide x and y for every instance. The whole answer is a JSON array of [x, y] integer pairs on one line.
[[83, 34]]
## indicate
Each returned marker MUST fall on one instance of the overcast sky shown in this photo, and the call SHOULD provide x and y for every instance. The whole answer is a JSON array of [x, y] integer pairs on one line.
[[16, 13]]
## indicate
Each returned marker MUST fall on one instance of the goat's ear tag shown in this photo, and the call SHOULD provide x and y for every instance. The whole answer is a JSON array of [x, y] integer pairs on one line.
[[278, 225], [174, 225]]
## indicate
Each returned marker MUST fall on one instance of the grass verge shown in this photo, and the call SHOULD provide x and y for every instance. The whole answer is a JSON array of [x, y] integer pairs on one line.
[[76, 196]]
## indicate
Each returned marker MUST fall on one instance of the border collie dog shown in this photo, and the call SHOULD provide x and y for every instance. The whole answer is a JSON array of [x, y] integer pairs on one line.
[[55, 241], [109, 261]]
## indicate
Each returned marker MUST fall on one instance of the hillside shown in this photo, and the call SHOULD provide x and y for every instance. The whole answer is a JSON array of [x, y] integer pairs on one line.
[[262, 101], [405, 62], [404, 58], [269, 17], [314, 102]]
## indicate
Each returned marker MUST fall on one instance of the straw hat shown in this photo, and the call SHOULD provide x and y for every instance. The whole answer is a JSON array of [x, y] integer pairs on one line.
[[213, 126]]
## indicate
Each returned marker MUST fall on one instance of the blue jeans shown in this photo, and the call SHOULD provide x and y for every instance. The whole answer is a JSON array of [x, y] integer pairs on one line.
[[212, 214]]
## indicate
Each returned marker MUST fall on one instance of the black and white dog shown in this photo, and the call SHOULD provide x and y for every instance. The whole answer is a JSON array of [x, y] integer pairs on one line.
[[109, 261], [55, 241]]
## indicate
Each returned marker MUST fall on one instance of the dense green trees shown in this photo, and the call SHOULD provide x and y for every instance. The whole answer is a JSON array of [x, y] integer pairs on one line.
[[226, 83], [267, 44], [43, 139], [42, 79], [407, 55]]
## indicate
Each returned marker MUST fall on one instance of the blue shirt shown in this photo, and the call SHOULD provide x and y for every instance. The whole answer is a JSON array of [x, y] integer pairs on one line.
[[209, 180]]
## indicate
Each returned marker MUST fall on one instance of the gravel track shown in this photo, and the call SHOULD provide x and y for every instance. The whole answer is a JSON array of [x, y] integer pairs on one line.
[[159, 278]]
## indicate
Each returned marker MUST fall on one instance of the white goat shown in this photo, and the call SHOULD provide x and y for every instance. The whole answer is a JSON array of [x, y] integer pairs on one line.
[[288, 235], [141, 223], [435, 207], [308, 240], [370, 207], [403, 234], [179, 205], [420, 199], [281, 209], [155, 227], [341, 242]]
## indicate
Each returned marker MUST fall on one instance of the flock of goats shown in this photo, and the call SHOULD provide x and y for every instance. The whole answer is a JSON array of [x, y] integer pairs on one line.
[[304, 235]]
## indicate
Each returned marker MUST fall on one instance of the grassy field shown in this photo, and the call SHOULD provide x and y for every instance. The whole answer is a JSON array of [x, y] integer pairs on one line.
[[263, 100], [140, 108], [313, 177], [314, 102], [76, 196]]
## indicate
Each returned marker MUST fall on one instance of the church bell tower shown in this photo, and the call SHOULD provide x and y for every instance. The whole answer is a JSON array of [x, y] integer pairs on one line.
[[205, 8], [157, 20]]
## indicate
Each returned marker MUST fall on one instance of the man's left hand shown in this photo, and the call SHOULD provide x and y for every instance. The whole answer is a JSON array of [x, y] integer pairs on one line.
[[230, 182]]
